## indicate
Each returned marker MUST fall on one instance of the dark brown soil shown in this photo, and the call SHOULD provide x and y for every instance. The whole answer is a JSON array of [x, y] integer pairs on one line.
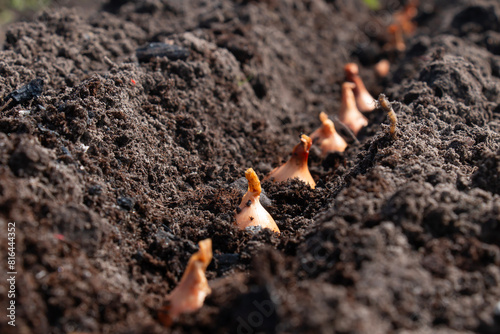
[[115, 172]]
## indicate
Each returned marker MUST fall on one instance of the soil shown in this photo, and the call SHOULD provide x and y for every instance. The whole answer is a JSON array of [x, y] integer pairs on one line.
[[119, 168]]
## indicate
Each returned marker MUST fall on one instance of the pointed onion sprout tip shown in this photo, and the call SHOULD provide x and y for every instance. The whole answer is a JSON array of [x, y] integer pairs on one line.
[[364, 101], [250, 212], [296, 166], [349, 113], [323, 116], [189, 295], [327, 138], [253, 181]]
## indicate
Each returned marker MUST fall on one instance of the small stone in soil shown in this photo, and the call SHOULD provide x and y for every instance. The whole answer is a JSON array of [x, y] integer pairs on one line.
[[27, 92], [95, 190], [254, 229], [126, 203]]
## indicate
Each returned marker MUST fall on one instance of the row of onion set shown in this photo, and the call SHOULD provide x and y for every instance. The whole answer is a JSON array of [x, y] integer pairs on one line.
[[190, 293]]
